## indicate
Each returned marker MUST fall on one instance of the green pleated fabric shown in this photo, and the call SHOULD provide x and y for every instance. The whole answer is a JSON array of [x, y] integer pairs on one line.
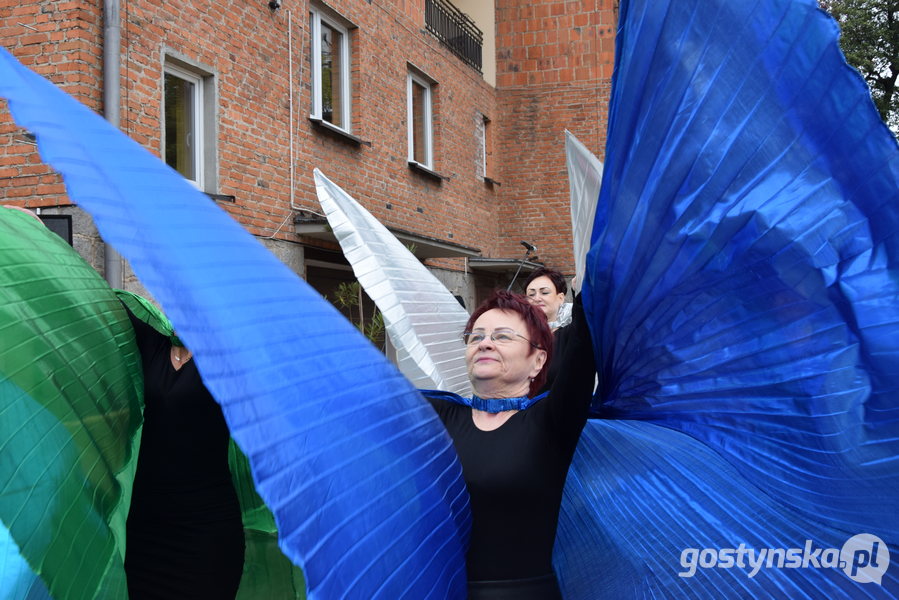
[[70, 416], [149, 313], [70, 420], [267, 573]]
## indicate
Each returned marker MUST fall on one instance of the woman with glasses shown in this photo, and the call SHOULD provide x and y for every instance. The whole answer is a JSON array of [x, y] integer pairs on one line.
[[516, 446]]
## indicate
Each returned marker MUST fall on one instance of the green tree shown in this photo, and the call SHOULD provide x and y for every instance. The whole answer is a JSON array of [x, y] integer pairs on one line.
[[870, 40]]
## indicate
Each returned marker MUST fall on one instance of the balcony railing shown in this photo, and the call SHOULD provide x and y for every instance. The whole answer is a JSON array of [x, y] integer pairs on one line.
[[456, 30]]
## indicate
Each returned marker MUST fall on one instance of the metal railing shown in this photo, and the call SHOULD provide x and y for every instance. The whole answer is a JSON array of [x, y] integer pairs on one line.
[[456, 30]]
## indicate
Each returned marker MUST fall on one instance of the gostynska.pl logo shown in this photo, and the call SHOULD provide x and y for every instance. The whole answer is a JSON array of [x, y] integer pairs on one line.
[[864, 558]]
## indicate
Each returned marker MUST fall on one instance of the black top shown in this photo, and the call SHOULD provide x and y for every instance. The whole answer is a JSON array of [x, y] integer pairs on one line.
[[185, 536], [184, 444], [560, 343], [515, 474]]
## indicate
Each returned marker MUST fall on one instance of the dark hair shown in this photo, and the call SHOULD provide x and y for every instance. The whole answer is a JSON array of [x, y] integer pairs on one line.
[[557, 278], [538, 329]]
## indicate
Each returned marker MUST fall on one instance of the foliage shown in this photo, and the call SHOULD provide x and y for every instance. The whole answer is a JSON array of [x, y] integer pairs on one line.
[[870, 40], [349, 296], [374, 329]]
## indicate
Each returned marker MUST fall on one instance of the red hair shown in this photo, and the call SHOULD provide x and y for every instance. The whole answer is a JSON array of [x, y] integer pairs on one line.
[[538, 331]]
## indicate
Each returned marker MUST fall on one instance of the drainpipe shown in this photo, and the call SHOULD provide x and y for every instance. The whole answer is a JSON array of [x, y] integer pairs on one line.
[[112, 59]]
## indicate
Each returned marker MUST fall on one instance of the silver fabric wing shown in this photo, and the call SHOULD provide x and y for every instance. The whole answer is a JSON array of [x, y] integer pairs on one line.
[[584, 178], [422, 318]]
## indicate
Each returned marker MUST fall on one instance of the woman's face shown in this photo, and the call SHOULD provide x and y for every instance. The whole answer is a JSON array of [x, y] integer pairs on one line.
[[542, 294], [502, 368]]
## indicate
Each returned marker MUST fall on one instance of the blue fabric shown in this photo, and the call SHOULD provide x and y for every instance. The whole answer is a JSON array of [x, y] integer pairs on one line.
[[17, 580], [742, 292], [358, 470], [491, 405], [743, 286]]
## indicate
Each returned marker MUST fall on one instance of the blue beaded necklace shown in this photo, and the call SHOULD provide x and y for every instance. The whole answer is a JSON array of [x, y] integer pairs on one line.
[[491, 405]]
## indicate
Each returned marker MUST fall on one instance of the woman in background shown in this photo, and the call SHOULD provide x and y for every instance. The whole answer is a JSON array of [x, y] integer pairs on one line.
[[546, 289], [185, 535]]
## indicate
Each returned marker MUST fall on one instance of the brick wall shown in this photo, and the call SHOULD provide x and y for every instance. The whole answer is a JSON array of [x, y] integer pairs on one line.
[[460, 208], [554, 59], [554, 68], [245, 45], [58, 40]]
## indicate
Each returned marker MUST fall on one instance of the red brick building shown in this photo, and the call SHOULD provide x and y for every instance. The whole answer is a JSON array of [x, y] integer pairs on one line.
[[445, 120]]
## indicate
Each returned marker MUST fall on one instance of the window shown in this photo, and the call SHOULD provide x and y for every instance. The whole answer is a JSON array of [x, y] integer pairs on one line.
[[184, 124], [421, 150], [188, 136], [485, 149], [330, 71]]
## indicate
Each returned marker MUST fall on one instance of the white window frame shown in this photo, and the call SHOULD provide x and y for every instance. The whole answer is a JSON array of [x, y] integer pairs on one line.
[[482, 145], [198, 108], [317, 17], [428, 119]]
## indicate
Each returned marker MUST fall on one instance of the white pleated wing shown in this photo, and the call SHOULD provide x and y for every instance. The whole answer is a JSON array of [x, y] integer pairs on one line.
[[423, 320], [584, 178]]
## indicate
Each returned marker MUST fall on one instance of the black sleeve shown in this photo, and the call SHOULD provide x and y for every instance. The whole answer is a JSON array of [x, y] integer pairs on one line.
[[436, 404], [569, 398]]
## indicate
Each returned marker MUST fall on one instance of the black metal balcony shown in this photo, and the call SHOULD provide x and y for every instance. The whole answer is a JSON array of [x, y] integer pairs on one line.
[[456, 30]]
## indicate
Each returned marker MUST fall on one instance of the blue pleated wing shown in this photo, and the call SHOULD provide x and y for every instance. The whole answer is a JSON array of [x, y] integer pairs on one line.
[[744, 289], [359, 472]]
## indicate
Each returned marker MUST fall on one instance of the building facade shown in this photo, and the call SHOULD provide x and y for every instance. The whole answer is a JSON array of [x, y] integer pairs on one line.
[[445, 120]]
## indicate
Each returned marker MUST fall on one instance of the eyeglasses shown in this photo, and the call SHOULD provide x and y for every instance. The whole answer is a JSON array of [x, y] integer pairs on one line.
[[500, 336]]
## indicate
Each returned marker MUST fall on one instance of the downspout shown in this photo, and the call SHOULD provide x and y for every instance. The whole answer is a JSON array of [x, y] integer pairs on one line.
[[112, 61]]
